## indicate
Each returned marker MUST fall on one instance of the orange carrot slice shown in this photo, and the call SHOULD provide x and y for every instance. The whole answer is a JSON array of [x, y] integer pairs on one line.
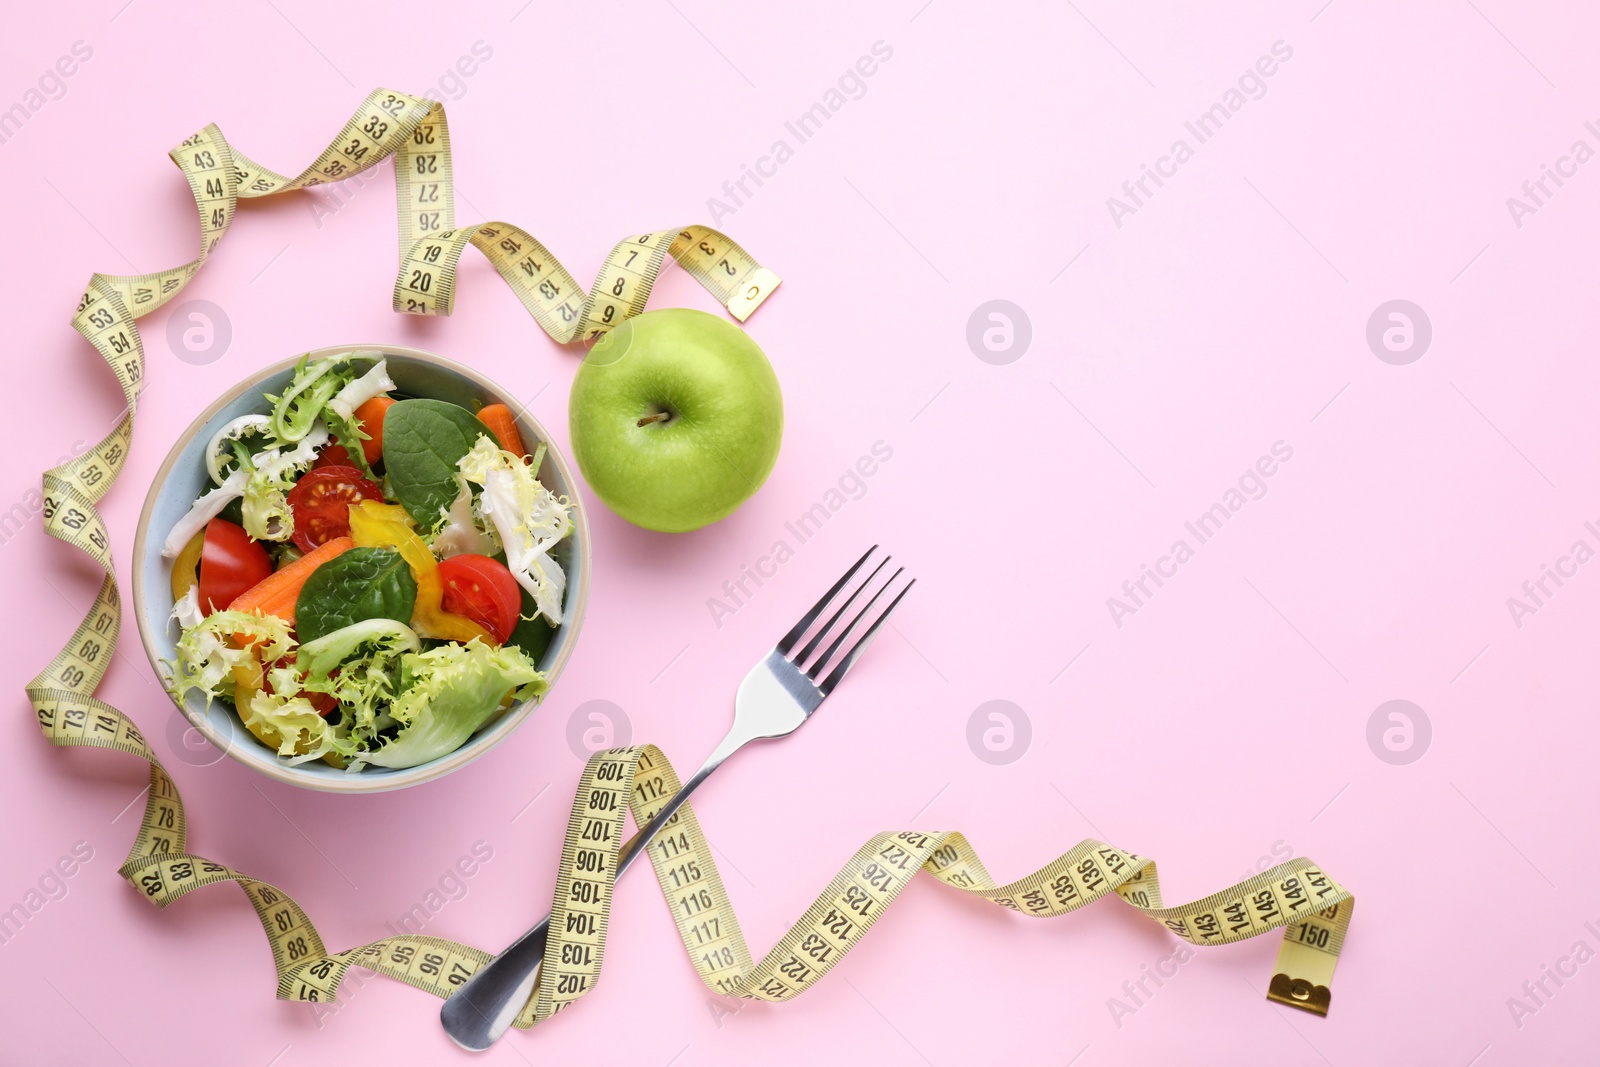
[[277, 592], [498, 418], [370, 417]]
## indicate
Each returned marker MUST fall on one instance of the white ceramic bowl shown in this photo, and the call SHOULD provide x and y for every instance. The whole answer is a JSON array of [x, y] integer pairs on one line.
[[183, 477]]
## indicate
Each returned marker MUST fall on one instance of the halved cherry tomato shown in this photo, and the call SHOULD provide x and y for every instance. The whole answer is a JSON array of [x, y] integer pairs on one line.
[[484, 591], [333, 454], [231, 561], [370, 417], [321, 502]]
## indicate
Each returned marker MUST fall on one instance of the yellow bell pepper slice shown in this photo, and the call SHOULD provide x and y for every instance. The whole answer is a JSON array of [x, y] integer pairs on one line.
[[186, 568], [374, 524], [247, 679]]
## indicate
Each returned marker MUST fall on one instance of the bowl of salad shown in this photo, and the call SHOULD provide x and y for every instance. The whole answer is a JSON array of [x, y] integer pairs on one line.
[[360, 569]]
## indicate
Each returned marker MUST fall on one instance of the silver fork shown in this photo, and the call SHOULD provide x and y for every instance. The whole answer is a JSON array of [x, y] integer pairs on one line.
[[775, 699]]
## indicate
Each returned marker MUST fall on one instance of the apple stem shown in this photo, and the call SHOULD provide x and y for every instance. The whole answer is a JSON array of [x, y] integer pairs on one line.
[[660, 416]]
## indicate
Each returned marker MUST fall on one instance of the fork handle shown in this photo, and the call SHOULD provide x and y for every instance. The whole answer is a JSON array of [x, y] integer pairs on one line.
[[486, 1005]]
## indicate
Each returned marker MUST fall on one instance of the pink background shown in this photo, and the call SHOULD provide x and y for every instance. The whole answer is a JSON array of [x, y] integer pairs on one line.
[[1225, 719]]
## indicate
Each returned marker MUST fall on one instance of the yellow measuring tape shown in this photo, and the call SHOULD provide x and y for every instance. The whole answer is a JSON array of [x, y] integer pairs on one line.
[[1297, 896]]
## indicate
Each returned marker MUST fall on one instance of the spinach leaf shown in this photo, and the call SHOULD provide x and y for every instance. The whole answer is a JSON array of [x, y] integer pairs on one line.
[[423, 440], [233, 511], [532, 635], [357, 584]]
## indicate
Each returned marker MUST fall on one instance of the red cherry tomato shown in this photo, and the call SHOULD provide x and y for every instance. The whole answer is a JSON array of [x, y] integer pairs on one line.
[[333, 454], [231, 561], [484, 591], [321, 502]]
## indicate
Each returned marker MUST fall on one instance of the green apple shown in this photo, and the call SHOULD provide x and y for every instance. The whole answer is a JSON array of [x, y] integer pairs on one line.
[[676, 418]]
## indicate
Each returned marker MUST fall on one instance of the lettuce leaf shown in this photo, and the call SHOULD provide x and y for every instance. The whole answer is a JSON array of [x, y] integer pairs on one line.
[[464, 529], [267, 515], [375, 382], [208, 651], [450, 692], [208, 506], [314, 384], [529, 518], [220, 452], [358, 666], [305, 735]]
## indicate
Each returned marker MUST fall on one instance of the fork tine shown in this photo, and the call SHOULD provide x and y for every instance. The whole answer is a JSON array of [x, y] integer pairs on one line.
[[811, 616], [822, 661], [861, 646], [827, 627]]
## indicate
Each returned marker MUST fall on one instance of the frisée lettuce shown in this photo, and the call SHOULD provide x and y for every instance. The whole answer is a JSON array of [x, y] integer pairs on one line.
[[451, 691], [529, 518], [303, 734], [313, 385], [463, 530], [375, 382], [358, 666], [209, 650], [207, 507], [267, 514]]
